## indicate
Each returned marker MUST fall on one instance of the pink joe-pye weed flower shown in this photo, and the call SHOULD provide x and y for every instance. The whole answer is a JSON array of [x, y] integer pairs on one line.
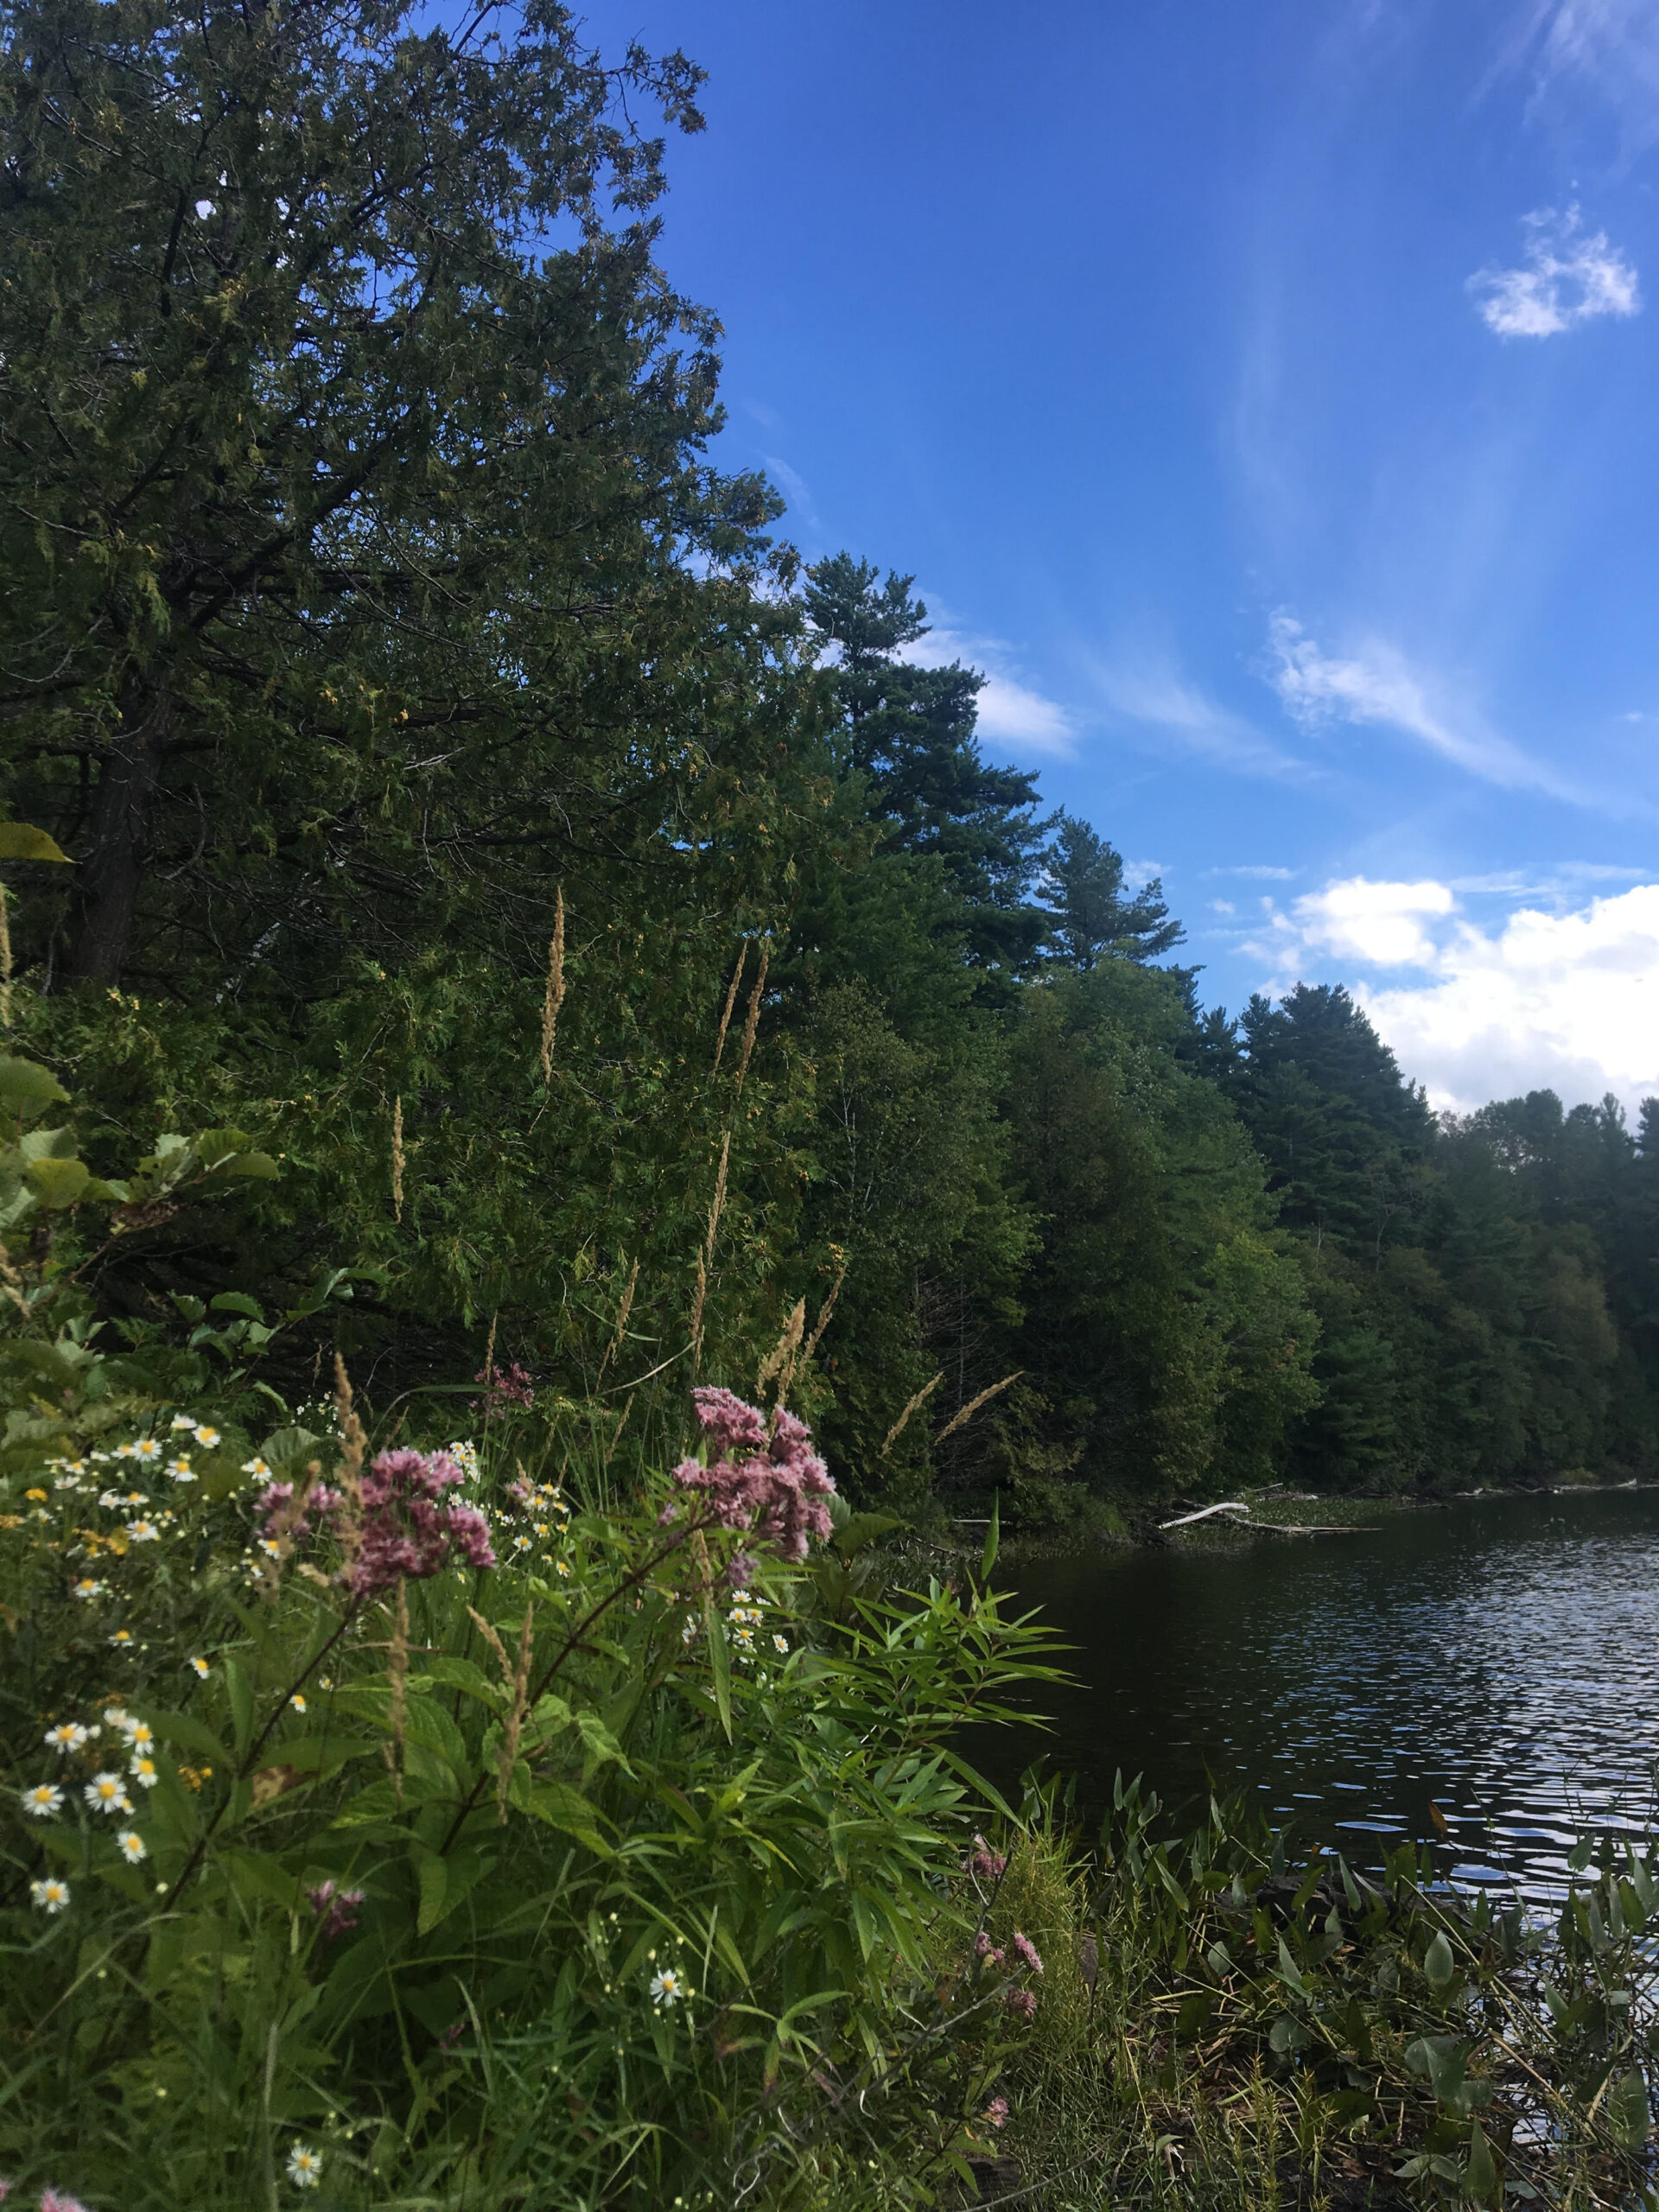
[[58, 2200], [1022, 2001], [335, 1908], [990, 1866], [771, 1484], [996, 2113], [408, 1527], [1027, 1951]]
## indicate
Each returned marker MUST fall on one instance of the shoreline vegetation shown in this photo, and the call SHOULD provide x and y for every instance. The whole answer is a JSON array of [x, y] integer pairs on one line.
[[559, 1125]]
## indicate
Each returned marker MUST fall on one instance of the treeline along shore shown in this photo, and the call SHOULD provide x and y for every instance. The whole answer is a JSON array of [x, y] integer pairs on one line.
[[552, 1100]]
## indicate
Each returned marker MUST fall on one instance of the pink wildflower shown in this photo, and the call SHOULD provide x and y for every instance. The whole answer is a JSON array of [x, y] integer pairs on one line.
[[55, 2200], [982, 1949], [503, 1387], [775, 1486], [996, 2113], [1027, 1951], [1022, 2001], [335, 1908], [990, 1866], [407, 1528]]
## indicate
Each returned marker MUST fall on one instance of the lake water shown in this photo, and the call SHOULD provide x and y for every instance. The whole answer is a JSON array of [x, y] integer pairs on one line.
[[1499, 1656]]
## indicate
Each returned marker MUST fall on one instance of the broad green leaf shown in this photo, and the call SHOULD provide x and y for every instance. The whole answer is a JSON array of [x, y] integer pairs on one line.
[[58, 1183], [191, 1734], [1440, 1965], [1480, 2175], [1629, 2119], [26, 1088], [434, 1874], [565, 1809], [21, 841]]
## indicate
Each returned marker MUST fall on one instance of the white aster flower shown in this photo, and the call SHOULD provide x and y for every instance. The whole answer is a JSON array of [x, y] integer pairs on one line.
[[780, 1643], [131, 1846], [146, 1449], [145, 1772], [297, 1702], [258, 1468], [51, 1895], [183, 1421], [87, 1588], [123, 1639], [42, 1801], [139, 1734], [207, 1437], [143, 1532], [201, 1667], [179, 1470], [67, 1736], [107, 1793], [117, 1716], [304, 2167], [668, 1987]]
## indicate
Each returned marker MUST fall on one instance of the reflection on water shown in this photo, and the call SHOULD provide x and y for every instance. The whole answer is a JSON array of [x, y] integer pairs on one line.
[[1500, 1657]]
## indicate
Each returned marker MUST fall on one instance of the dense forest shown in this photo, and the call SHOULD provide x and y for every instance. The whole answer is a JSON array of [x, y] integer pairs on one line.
[[629, 952]]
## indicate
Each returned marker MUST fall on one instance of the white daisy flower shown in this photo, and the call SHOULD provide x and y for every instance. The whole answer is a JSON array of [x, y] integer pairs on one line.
[[201, 1667], [297, 1703], [117, 1716], [562, 1566], [146, 1449], [304, 2167], [139, 1734], [258, 1468], [689, 1633], [42, 1801], [67, 1736], [107, 1793], [131, 1846], [123, 1638], [51, 1895], [179, 1470], [66, 1482], [145, 1772], [207, 1437], [183, 1421], [668, 1987], [143, 1532], [87, 1588], [780, 1643]]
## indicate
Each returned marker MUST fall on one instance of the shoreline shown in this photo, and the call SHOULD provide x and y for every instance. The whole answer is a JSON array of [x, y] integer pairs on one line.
[[1272, 1514]]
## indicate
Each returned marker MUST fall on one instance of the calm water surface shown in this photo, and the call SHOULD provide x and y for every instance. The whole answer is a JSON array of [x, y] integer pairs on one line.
[[1500, 1656]]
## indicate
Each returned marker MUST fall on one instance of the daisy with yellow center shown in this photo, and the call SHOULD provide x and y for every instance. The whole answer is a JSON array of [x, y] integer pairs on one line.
[[145, 1772], [42, 1801], [562, 1566], [122, 1638], [257, 1468], [207, 1437], [67, 1736], [146, 1449], [107, 1793], [668, 1987], [132, 1846], [201, 1667], [297, 1703], [140, 1735], [179, 1470], [51, 1895], [183, 1421], [305, 2167], [143, 1532], [87, 1588]]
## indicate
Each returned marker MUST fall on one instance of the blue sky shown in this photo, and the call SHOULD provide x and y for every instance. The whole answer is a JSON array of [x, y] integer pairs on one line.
[[1267, 398]]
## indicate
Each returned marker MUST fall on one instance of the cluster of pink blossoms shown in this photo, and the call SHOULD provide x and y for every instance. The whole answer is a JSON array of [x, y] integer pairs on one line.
[[774, 1485], [335, 1908], [408, 1527]]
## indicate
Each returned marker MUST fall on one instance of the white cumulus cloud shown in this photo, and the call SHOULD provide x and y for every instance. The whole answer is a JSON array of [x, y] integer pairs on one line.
[[1567, 276], [1566, 1001]]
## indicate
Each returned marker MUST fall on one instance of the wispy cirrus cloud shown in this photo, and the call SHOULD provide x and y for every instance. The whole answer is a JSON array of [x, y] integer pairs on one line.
[[1155, 697], [1567, 276], [1377, 685], [1609, 48], [1011, 710]]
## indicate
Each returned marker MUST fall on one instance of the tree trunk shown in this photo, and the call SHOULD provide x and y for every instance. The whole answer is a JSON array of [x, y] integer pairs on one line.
[[112, 870]]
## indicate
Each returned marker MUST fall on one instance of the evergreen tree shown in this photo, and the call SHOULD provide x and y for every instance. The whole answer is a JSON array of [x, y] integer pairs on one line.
[[908, 731], [1082, 887]]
